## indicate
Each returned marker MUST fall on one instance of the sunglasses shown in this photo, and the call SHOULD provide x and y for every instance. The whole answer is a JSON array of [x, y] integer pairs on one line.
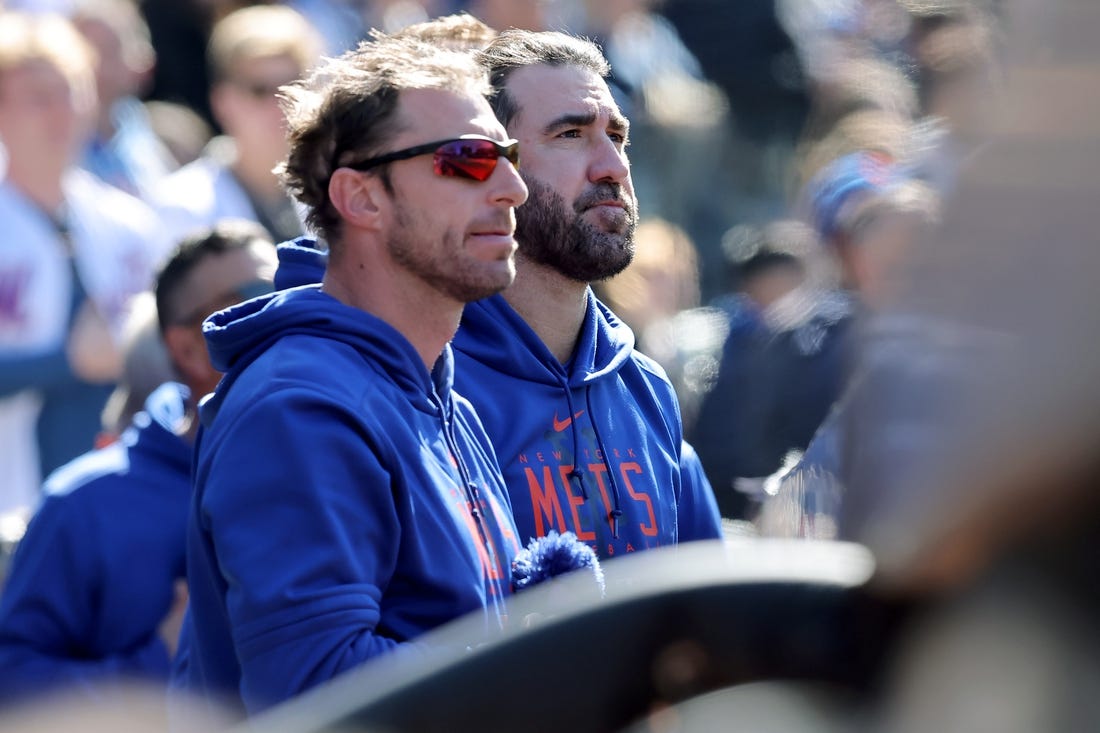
[[471, 156]]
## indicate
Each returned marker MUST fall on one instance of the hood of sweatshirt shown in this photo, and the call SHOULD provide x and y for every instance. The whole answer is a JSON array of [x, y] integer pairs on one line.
[[237, 335], [493, 334], [301, 262]]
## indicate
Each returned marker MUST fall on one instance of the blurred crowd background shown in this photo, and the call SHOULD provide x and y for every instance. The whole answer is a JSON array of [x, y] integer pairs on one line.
[[866, 260]]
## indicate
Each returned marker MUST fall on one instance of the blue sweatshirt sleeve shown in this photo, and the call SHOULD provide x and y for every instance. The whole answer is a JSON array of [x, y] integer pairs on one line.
[[49, 609], [306, 542], [34, 371], [697, 512]]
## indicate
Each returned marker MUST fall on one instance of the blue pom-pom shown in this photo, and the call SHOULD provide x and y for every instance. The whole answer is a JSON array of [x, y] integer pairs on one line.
[[552, 555]]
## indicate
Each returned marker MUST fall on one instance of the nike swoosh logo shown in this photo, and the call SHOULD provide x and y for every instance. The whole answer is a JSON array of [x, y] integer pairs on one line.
[[560, 425]]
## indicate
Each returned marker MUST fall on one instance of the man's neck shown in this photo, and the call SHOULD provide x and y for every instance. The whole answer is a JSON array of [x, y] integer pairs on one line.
[[551, 304], [424, 316]]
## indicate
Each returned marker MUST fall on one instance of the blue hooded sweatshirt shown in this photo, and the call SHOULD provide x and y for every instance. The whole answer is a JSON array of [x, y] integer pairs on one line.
[[346, 500], [503, 365], [94, 575], [592, 447]]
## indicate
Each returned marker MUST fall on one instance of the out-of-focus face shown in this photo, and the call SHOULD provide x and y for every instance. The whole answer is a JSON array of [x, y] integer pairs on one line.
[[454, 233], [43, 116], [876, 250], [581, 214], [218, 281], [247, 108], [114, 76]]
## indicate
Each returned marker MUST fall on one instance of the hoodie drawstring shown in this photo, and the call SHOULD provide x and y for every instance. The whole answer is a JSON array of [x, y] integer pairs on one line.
[[616, 512], [576, 476]]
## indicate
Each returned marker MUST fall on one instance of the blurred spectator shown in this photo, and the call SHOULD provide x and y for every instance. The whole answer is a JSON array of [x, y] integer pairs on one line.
[[180, 129], [252, 53], [742, 48], [180, 31], [145, 366], [95, 595], [75, 250], [124, 150], [870, 212], [782, 363], [871, 129], [746, 51], [856, 88], [959, 84]]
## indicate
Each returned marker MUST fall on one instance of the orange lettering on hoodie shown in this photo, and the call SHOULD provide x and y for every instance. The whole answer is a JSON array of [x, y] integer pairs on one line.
[[544, 500]]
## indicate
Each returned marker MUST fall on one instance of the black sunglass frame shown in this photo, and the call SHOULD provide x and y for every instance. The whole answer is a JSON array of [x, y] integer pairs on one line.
[[509, 150]]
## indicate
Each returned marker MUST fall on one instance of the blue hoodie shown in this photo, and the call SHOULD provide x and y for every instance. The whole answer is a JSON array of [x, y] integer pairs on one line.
[[94, 575], [346, 500], [502, 363], [592, 447]]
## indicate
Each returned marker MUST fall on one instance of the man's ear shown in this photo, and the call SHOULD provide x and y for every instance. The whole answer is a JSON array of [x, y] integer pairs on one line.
[[360, 199]]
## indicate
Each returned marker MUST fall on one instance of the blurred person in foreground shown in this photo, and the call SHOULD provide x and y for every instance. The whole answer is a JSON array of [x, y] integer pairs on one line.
[[595, 447], [73, 253], [251, 54], [346, 498], [971, 469], [95, 596]]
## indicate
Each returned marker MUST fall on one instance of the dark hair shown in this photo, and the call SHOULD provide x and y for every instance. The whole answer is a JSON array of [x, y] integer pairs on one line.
[[345, 112], [514, 49], [227, 235]]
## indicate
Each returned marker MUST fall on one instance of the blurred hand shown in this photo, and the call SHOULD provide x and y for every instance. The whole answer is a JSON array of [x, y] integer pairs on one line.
[[169, 628], [93, 354]]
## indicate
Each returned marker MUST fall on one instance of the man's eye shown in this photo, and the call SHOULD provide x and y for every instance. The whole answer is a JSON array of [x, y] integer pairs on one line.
[[570, 133]]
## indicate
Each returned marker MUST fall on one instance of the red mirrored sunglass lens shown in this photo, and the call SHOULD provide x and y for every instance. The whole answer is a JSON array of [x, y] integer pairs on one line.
[[475, 159]]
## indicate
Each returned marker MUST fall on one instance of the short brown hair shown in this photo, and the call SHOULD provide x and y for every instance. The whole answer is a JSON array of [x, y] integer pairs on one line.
[[345, 112], [515, 49]]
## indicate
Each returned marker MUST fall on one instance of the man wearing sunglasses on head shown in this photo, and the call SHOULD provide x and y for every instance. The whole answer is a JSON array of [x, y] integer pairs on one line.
[[587, 430], [346, 500]]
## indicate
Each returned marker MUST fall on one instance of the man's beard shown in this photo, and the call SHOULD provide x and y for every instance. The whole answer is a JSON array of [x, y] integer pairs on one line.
[[551, 233], [446, 266]]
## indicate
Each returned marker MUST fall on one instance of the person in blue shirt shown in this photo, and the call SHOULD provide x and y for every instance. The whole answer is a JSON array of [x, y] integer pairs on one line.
[[346, 498], [95, 592], [586, 428]]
